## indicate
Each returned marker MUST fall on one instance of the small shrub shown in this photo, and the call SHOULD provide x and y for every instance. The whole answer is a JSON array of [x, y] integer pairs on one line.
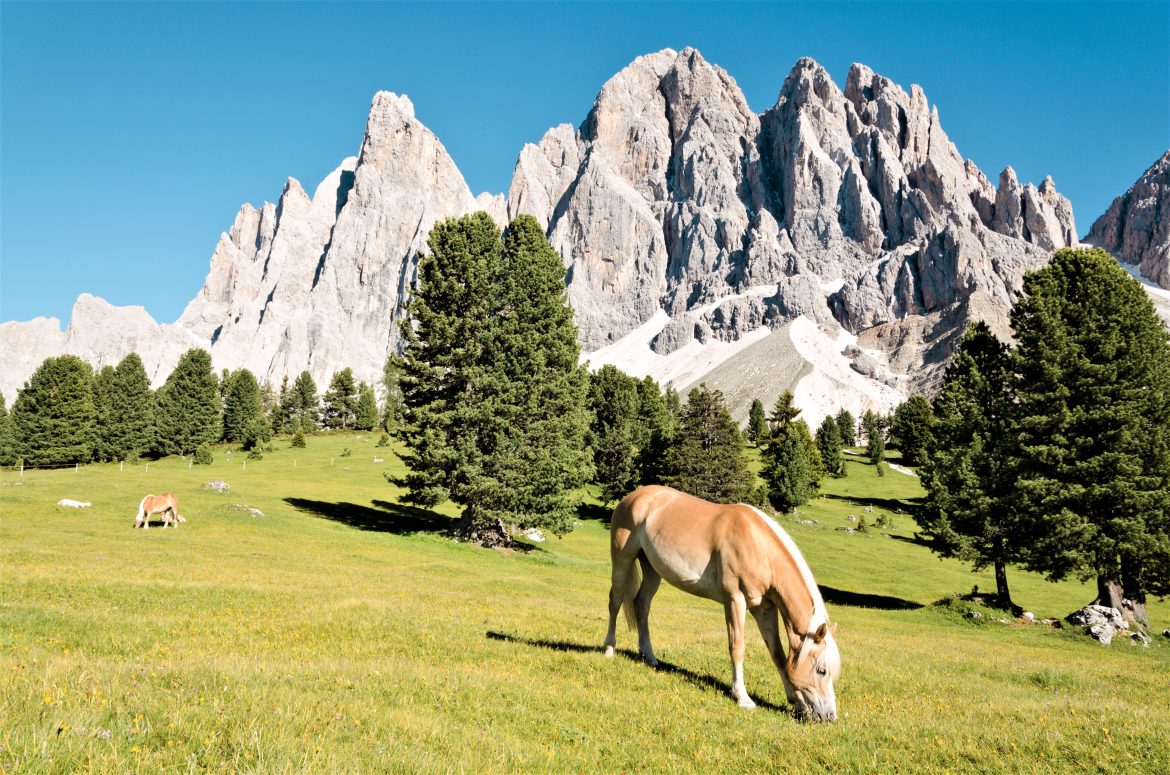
[[862, 526], [203, 456], [298, 439], [345, 452], [383, 440], [255, 454], [881, 468]]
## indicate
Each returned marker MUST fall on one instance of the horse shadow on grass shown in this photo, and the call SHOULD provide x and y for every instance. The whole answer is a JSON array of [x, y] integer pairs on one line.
[[663, 666], [381, 517]]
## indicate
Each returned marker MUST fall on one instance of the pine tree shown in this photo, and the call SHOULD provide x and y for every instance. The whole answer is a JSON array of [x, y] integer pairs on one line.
[[341, 400], [131, 428], [243, 406], [828, 440], [1093, 399], [791, 472], [707, 459], [280, 417], [655, 433], [495, 401], [303, 409], [847, 425], [366, 413], [393, 408], [53, 417], [103, 389], [188, 409], [910, 429], [757, 427], [613, 403], [7, 442], [968, 512]]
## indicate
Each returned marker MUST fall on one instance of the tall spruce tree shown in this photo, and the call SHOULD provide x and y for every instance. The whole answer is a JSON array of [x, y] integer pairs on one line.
[[1093, 399], [656, 431], [303, 408], [791, 472], [968, 511], [495, 414], [341, 400], [7, 442], [53, 417], [614, 404], [131, 430], [366, 413], [847, 425], [828, 440], [911, 428], [188, 408], [757, 427], [707, 459], [243, 407], [393, 408], [103, 390]]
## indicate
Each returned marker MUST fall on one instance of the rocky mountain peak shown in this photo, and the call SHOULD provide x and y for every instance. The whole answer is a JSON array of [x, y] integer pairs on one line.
[[1136, 227]]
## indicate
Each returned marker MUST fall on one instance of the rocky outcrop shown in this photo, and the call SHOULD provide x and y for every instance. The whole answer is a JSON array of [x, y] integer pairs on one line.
[[849, 207], [1136, 227]]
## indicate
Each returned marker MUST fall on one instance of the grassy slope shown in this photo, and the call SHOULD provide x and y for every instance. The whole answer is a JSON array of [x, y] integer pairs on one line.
[[329, 637]]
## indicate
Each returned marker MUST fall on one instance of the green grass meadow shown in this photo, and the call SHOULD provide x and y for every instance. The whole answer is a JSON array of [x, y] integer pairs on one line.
[[337, 631]]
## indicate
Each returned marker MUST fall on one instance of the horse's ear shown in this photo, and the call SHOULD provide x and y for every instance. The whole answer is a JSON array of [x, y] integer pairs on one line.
[[821, 632]]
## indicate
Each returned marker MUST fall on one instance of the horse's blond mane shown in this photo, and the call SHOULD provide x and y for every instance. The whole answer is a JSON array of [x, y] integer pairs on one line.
[[819, 613]]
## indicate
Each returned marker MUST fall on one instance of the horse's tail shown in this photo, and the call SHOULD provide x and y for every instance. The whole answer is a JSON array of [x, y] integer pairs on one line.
[[633, 583]]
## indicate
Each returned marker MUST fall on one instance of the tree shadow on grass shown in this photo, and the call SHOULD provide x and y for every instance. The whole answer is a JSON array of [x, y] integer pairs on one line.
[[709, 681], [895, 505], [915, 539], [594, 512], [382, 517], [864, 600]]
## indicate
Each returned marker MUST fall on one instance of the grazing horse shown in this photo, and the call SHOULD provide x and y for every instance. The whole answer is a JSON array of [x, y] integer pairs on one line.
[[165, 504], [735, 555]]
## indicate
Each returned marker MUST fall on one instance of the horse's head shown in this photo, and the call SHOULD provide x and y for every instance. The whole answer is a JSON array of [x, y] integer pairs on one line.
[[813, 666]]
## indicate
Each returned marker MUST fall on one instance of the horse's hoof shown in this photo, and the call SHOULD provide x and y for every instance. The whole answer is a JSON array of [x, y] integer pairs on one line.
[[609, 652], [747, 704], [651, 661]]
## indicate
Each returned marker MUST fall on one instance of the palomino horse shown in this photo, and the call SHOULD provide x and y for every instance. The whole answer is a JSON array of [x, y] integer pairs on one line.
[[165, 504], [737, 556]]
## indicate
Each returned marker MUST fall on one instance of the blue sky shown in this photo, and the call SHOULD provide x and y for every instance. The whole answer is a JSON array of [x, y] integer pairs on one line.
[[131, 133]]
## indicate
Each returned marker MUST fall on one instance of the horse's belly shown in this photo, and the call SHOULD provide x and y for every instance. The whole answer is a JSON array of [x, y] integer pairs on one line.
[[683, 572]]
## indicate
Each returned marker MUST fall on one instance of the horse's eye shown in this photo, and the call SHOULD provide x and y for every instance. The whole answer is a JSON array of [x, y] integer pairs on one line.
[[822, 670]]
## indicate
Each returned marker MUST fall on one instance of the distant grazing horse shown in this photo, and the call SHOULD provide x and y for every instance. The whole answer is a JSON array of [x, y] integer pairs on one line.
[[165, 504], [737, 556]]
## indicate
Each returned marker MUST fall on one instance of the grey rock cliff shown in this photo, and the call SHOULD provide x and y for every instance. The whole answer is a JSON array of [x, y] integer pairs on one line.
[[1136, 227]]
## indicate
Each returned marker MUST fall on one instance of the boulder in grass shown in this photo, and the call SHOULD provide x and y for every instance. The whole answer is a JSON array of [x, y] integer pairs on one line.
[[217, 486], [1100, 622]]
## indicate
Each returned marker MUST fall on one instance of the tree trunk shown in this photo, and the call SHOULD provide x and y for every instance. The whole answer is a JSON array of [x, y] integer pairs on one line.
[[1109, 590], [1002, 593], [1133, 592]]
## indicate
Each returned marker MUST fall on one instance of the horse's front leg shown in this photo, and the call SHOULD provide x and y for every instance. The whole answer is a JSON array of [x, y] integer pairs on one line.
[[767, 618], [735, 609]]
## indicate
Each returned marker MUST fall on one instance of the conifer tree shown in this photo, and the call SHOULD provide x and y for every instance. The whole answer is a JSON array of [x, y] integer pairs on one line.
[[968, 512], [707, 459], [828, 440], [53, 417], [656, 431], [103, 389], [495, 401], [366, 413], [1093, 399], [242, 408], [614, 404], [341, 400], [847, 425], [910, 429], [188, 408], [131, 430], [790, 471], [757, 427], [303, 408], [279, 417], [392, 404], [7, 443]]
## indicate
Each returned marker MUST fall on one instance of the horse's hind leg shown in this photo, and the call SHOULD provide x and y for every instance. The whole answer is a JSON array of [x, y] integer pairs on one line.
[[646, 592], [735, 609]]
